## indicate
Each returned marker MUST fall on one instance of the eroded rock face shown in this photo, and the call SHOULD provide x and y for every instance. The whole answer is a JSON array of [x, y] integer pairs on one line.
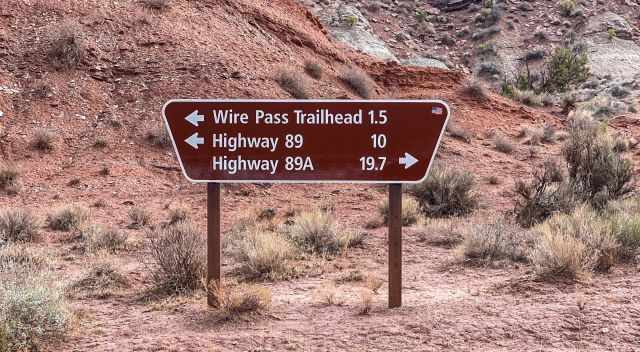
[[424, 62], [348, 25], [614, 57]]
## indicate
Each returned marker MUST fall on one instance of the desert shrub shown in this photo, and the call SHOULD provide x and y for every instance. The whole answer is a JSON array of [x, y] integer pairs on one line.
[[178, 258], [18, 225], [67, 47], [410, 211], [567, 66], [43, 139], [544, 196], [21, 259], [262, 253], [358, 81], [620, 92], [503, 144], [573, 245], [625, 224], [139, 218], [100, 143], [32, 315], [488, 69], [459, 133], [567, 7], [534, 54], [9, 174], [293, 83], [373, 283], [495, 241], [475, 90], [156, 4], [489, 16], [178, 214], [242, 299], [68, 218], [313, 69], [446, 192], [548, 133], [487, 49], [159, 136], [597, 172], [96, 238], [317, 232], [101, 280]]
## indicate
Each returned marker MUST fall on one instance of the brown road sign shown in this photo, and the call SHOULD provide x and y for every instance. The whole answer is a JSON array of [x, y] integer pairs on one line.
[[373, 141]]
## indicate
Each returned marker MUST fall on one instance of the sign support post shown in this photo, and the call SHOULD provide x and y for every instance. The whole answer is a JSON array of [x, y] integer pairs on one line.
[[213, 241], [395, 245]]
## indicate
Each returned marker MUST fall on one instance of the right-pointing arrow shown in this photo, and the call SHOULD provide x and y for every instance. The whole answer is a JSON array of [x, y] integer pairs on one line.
[[408, 160], [194, 140], [195, 118]]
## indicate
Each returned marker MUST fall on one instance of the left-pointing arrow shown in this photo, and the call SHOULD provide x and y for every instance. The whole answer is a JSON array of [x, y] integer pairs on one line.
[[194, 140], [195, 118]]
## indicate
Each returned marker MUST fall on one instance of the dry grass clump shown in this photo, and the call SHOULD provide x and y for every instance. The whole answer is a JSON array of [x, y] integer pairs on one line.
[[573, 245], [503, 145], [262, 253], [567, 7], [476, 90], [68, 218], [446, 192], [317, 232], [313, 69], [495, 241], [9, 174], [67, 47], [528, 97], [139, 218], [327, 294], [242, 299], [178, 258], [32, 315], [178, 214], [18, 225], [447, 232], [43, 139], [96, 238], [293, 83], [358, 81], [374, 283], [22, 258], [366, 302], [102, 280], [410, 211], [459, 133]]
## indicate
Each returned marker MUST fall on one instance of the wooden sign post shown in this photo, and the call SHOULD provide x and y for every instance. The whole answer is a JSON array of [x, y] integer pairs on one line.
[[306, 141]]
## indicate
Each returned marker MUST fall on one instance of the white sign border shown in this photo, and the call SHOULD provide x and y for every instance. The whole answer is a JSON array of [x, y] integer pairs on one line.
[[433, 156]]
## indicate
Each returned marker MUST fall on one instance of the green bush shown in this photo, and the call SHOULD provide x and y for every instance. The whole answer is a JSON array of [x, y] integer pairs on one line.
[[597, 172], [446, 192], [567, 67]]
